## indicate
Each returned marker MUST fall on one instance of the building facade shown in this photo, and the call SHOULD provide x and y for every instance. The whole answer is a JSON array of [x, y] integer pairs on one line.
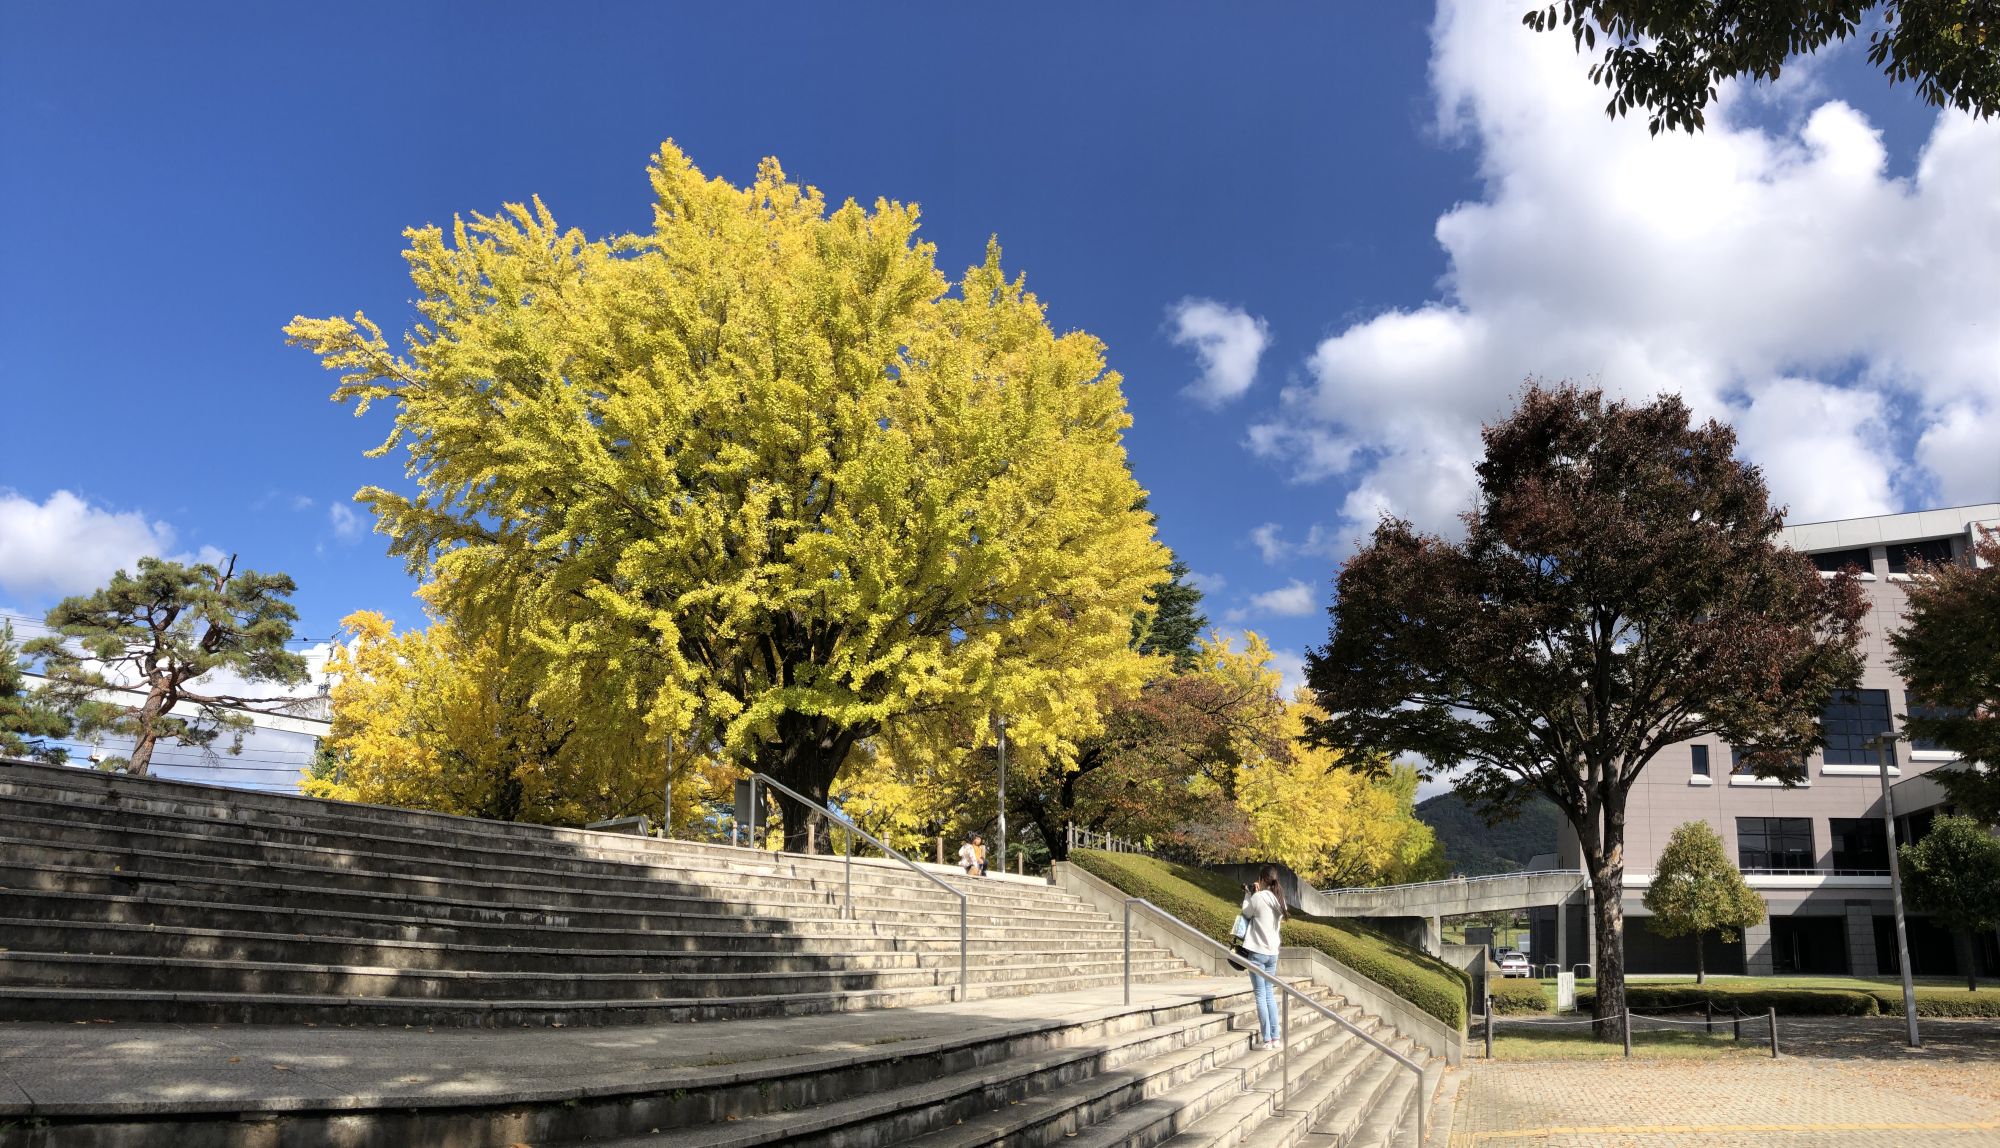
[[1816, 851]]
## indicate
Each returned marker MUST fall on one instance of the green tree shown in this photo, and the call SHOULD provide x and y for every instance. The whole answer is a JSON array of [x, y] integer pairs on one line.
[[28, 723], [1948, 651], [761, 470], [1697, 889], [1176, 623], [1668, 57], [1621, 587], [1953, 874], [152, 637]]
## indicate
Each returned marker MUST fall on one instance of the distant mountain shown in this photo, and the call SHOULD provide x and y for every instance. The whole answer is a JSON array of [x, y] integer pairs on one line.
[[1475, 848]]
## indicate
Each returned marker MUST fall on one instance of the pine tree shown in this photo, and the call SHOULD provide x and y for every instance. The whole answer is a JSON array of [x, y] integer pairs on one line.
[[1177, 621], [28, 723]]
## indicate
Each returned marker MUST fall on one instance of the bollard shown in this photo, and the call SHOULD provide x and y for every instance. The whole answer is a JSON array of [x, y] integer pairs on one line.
[[1627, 1018], [940, 848], [1737, 1025], [812, 838], [1772, 1016], [1489, 1026], [1708, 1016]]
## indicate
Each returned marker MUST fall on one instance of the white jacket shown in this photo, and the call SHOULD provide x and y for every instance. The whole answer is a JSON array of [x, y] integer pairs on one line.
[[1260, 911]]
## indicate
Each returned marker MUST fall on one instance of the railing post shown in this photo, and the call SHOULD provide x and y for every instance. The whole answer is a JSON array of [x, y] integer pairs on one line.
[[847, 873], [964, 982], [1128, 952], [1489, 1026], [1626, 1016], [1285, 1049], [756, 839], [1772, 1017]]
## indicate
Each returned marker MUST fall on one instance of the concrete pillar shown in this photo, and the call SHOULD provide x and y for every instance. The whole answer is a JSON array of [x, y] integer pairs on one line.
[[1562, 934], [1861, 956], [1434, 936], [1590, 927], [1757, 950]]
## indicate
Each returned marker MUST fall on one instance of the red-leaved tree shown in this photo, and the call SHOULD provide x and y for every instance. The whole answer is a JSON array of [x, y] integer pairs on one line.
[[1621, 587]]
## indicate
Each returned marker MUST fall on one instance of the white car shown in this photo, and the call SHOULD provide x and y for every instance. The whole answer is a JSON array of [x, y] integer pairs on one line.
[[1513, 965]]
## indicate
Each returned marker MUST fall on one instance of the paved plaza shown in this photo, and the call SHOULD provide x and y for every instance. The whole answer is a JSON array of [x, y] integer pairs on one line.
[[1843, 1083]]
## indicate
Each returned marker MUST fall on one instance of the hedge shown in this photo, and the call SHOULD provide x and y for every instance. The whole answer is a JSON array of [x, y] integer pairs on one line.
[[1209, 901], [1516, 997], [1933, 1001], [1750, 998]]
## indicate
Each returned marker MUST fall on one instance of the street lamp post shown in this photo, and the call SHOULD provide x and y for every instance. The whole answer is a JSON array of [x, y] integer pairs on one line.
[[1885, 744], [1002, 744]]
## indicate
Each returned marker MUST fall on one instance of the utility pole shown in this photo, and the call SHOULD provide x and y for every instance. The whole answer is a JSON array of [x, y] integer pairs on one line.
[[1001, 721], [1885, 743]]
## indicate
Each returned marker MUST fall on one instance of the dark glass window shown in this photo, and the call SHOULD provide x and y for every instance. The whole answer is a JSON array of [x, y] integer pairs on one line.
[[1851, 718], [1774, 843], [1859, 843], [1700, 760], [1920, 710], [1930, 550], [1737, 765], [1833, 561]]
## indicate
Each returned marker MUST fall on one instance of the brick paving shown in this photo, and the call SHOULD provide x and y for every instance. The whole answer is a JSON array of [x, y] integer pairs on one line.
[[1843, 1083]]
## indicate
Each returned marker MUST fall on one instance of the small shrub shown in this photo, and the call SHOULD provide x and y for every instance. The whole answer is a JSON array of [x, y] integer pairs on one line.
[[1517, 997], [1208, 901], [1751, 998], [1941, 1002]]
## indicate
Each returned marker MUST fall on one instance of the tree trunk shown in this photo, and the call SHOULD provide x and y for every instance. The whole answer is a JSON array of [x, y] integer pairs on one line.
[[1607, 885], [147, 736], [807, 756], [1700, 973]]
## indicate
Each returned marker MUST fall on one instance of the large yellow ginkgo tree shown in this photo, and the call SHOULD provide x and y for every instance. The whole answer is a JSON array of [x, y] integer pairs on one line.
[[761, 477]]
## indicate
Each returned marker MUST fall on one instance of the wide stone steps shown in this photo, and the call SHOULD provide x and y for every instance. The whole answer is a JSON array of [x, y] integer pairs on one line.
[[130, 898]]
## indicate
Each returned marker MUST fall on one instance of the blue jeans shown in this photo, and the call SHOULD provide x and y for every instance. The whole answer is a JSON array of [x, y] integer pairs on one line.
[[1267, 996]]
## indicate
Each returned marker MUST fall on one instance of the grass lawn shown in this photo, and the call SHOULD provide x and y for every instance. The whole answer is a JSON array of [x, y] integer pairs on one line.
[[1512, 1042]]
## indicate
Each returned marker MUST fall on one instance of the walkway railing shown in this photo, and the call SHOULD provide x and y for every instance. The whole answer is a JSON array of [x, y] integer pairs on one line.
[[1082, 838], [1286, 993], [1735, 1018], [847, 866], [1515, 876]]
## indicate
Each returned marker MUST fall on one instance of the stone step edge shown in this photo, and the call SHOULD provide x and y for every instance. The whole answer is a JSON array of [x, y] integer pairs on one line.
[[690, 1077], [1150, 951], [946, 976], [808, 898], [943, 919], [1065, 934], [519, 833], [635, 869], [754, 1130]]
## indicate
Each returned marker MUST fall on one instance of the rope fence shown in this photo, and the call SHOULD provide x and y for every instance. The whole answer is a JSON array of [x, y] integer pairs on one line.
[[1734, 1018]]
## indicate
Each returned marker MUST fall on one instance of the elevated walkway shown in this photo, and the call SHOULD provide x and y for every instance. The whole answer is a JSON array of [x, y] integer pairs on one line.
[[1417, 909]]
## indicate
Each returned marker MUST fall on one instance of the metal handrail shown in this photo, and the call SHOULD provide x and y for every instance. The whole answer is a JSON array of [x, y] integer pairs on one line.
[[1285, 1049], [847, 868]]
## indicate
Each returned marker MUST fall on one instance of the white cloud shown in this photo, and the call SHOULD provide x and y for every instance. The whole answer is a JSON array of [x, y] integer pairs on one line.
[[1780, 279], [1291, 667], [67, 546], [302, 502], [1227, 340], [1294, 599], [346, 523], [1270, 542], [1209, 584]]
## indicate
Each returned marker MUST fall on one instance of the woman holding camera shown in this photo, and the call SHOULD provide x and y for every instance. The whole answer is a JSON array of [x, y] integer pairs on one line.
[[1263, 911]]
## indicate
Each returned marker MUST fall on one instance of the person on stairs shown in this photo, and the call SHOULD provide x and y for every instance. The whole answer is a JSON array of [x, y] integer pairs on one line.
[[1263, 911], [972, 856]]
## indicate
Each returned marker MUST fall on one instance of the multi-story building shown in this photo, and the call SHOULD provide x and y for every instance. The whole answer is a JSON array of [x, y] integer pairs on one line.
[[1816, 851]]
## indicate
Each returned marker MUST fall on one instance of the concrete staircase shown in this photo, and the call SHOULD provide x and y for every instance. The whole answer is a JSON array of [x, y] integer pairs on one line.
[[164, 906], [138, 899]]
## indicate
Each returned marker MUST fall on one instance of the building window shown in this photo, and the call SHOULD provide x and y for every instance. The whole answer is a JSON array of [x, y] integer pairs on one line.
[[1774, 843], [1834, 561], [1921, 710], [1700, 760], [1738, 767], [1850, 720], [1859, 843], [1930, 550]]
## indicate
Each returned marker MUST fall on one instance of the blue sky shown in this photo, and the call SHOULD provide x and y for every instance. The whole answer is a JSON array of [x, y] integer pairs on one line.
[[1392, 214]]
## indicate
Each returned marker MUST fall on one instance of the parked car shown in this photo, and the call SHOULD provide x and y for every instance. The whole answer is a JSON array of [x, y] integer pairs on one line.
[[1513, 964]]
